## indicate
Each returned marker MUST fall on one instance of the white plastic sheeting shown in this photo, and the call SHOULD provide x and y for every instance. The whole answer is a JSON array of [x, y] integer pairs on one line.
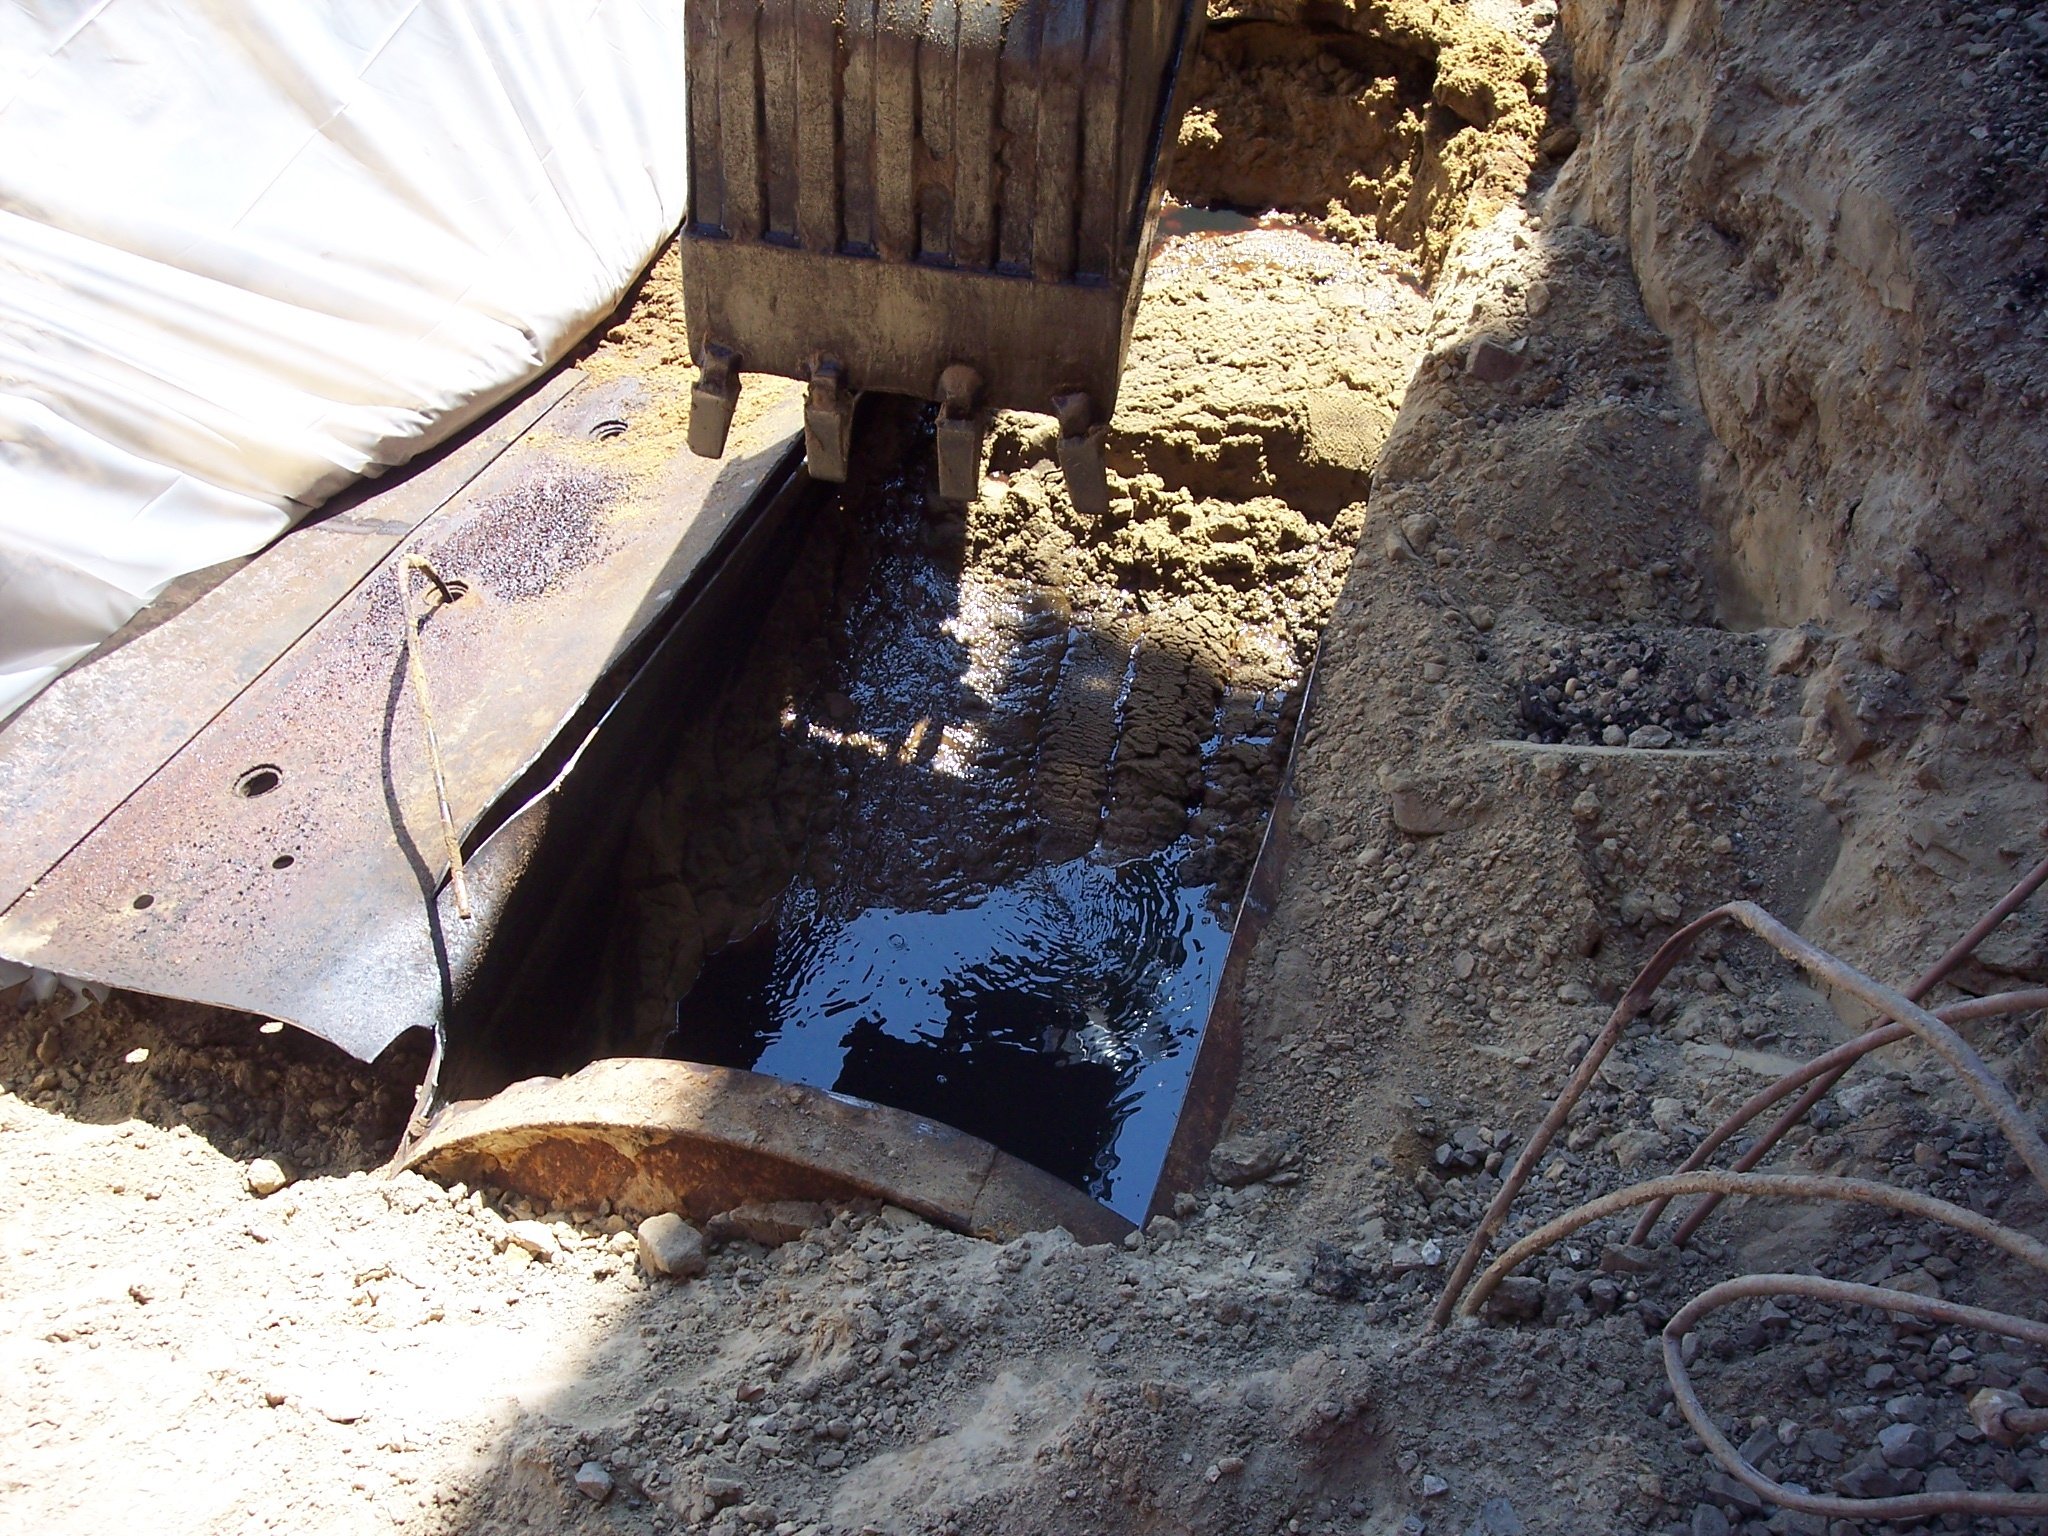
[[253, 249]]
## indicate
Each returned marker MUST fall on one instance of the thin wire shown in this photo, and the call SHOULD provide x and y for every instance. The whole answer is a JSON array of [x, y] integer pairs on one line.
[[450, 842]]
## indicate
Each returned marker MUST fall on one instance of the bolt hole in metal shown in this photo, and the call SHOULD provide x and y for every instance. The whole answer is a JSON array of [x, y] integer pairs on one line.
[[610, 427], [260, 780], [143, 902]]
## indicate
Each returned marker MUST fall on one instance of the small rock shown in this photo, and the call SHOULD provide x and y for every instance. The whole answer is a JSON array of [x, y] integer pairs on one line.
[[341, 1409], [265, 1176], [1667, 1114], [1418, 528], [1790, 651], [536, 1237], [722, 1491], [1463, 964], [771, 1223], [1250, 1157], [1870, 1478], [1723, 1489], [1649, 737], [1517, 1297], [1434, 1487], [1614, 736], [1537, 300], [1709, 1521], [1825, 1445], [1634, 1146], [1428, 808], [1493, 362], [670, 1246], [593, 1482], [1409, 1257], [1905, 1445], [1627, 1259]]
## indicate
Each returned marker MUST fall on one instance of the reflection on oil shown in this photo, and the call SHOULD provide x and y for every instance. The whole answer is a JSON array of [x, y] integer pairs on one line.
[[1056, 1016], [952, 842]]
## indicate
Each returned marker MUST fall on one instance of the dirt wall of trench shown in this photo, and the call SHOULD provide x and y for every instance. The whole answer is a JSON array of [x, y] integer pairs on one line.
[[1837, 215]]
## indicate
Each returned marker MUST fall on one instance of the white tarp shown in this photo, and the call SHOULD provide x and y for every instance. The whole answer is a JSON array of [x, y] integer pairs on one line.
[[253, 249]]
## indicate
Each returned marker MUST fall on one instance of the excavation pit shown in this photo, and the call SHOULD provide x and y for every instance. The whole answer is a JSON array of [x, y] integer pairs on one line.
[[935, 838]]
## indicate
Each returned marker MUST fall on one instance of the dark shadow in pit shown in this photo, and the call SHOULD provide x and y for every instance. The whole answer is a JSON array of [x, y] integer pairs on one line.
[[247, 1088], [945, 847]]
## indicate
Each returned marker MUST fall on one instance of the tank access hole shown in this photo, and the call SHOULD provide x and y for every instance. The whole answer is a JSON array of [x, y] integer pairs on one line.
[[947, 843]]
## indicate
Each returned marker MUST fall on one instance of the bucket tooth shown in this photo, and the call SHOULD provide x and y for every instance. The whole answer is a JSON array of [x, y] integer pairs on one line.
[[828, 423], [903, 187], [1081, 463], [960, 434], [712, 399]]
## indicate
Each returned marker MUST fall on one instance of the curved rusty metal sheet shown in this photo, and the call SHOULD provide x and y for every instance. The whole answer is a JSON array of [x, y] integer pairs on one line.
[[287, 857], [650, 1135]]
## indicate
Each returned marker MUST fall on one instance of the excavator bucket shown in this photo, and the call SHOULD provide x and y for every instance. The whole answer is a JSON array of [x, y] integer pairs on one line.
[[948, 199]]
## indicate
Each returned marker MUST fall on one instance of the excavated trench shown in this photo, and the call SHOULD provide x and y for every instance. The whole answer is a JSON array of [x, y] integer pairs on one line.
[[960, 818], [948, 844]]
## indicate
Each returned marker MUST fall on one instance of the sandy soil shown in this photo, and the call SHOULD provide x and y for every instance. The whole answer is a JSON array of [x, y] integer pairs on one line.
[[1721, 425]]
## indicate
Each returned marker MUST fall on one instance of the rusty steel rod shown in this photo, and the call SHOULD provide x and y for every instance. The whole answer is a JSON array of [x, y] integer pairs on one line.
[[1906, 1018], [1945, 1042], [1633, 1001], [1791, 1186], [1981, 930], [1843, 1293], [1842, 1056], [1928, 980]]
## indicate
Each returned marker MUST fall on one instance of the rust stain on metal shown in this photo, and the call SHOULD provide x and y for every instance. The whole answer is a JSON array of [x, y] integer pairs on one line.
[[650, 1135], [312, 894]]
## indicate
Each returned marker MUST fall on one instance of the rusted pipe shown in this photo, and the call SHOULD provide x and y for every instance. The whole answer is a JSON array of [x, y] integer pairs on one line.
[[1843, 1293]]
